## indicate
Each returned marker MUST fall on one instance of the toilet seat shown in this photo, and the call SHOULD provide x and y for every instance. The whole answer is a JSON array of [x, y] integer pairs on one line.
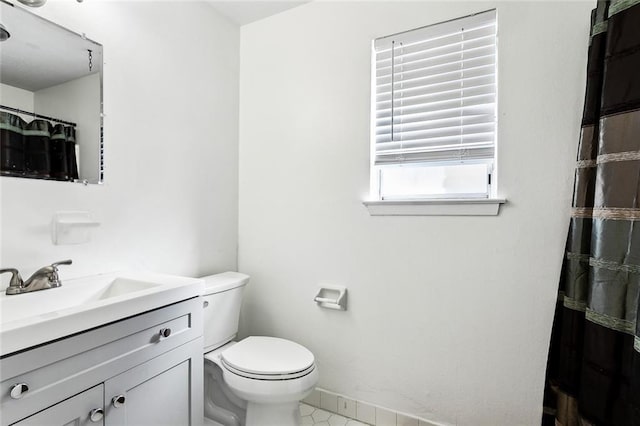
[[267, 377], [268, 358]]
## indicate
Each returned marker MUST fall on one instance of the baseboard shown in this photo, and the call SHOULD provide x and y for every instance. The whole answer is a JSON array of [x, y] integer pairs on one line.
[[362, 411]]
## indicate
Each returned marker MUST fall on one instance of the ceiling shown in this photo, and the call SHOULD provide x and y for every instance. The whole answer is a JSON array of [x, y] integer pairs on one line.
[[244, 12], [40, 54]]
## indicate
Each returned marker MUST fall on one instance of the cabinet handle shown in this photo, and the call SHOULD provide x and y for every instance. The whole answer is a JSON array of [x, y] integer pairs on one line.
[[18, 390], [96, 415], [118, 401], [165, 332]]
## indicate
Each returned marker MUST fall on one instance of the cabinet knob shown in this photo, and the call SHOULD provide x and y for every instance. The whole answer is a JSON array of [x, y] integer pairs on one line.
[[96, 415], [118, 401], [18, 390], [165, 332]]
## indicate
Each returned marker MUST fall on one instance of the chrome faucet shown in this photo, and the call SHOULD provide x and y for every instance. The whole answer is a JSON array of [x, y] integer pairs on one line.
[[42, 279]]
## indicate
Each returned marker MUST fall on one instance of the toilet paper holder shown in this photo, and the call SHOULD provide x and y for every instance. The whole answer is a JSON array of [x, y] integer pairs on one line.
[[332, 297]]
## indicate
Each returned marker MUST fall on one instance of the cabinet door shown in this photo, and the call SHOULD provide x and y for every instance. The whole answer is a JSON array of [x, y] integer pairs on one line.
[[75, 411], [166, 390]]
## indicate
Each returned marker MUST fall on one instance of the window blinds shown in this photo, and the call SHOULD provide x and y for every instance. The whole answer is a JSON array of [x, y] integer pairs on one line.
[[435, 93]]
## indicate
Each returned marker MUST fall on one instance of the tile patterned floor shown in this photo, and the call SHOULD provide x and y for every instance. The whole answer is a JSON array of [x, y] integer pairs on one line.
[[312, 416]]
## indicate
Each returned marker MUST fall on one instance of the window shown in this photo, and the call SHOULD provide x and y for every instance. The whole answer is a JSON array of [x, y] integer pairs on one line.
[[434, 111]]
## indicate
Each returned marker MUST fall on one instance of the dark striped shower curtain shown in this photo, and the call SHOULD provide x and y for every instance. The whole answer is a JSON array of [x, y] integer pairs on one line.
[[593, 371]]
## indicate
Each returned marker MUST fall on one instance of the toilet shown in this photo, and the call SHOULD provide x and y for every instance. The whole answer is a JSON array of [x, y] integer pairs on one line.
[[257, 381]]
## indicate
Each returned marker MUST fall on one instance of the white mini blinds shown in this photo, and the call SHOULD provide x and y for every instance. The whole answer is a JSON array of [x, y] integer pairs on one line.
[[435, 94]]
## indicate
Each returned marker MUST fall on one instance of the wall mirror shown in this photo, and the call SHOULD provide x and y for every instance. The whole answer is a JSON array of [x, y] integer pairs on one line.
[[51, 100]]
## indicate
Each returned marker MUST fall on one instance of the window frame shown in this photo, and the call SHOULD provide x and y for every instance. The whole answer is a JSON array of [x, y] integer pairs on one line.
[[485, 203]]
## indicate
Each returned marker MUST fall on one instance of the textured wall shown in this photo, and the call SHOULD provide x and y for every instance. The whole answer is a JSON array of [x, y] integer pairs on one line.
[[449, 317]]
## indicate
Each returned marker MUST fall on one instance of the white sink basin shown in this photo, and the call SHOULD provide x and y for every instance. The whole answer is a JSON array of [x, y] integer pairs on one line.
[[80, 304]]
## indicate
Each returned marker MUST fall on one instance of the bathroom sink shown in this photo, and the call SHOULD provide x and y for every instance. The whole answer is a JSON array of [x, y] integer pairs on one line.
[[121, 286], [80, 304]]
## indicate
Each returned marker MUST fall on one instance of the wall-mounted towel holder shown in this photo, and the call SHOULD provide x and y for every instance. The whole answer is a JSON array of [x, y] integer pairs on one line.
[[332, 297]]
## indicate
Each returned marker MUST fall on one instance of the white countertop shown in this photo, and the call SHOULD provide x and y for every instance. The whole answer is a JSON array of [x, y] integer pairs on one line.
[[80, 304]]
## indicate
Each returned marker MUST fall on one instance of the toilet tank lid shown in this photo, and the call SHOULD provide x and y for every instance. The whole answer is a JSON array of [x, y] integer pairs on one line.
[[224, 281]]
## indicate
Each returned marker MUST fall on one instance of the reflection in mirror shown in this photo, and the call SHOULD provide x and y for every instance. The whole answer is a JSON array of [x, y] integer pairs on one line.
[[50, 100]]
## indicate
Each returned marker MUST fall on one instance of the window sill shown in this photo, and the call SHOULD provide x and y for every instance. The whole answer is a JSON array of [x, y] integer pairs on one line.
[[441, 207]]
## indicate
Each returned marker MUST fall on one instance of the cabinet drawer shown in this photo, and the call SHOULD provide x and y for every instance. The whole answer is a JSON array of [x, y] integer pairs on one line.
[[63, 368], [73, 411]]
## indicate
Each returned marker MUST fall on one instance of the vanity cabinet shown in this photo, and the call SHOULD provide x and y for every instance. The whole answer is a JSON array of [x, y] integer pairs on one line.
[[143, 370], [152, 394]]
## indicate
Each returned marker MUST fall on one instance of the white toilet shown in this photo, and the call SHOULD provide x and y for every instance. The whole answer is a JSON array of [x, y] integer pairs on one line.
[[258, 381]]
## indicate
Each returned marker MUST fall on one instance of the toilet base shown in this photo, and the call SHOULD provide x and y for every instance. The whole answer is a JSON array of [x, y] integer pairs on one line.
[[285, 414]]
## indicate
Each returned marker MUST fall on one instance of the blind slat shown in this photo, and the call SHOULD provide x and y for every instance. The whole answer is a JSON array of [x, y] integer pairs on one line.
[[415, 53], [454, 122], [436, 88], [460, 58], [402, 58], [469, 135], [426, 117], [438, 156], [458, 65], [455, 94], [471, 142], [463, 61], [399, 111], [450, 133], [384, 83]]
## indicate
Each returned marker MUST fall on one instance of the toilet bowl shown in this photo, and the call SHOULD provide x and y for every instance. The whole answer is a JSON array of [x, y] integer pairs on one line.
[[257, 381]]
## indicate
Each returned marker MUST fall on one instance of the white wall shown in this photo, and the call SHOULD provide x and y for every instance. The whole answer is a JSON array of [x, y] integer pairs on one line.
[[16, 97], [78, 101], [449, 317], [169, 202]]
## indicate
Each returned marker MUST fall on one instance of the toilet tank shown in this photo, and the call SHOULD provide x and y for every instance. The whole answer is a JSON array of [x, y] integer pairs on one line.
[[222, 299]]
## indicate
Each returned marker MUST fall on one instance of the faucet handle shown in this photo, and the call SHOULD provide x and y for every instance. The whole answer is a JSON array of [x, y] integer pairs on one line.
[[62, 262], [16, 279], [54, 280]]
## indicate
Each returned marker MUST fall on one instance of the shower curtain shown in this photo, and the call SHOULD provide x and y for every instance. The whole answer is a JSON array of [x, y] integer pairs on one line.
[[593, 370]]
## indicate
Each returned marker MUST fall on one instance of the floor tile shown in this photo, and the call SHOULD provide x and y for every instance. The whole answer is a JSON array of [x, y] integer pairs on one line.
[[337, 420], [306, 410], [320, 415]]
